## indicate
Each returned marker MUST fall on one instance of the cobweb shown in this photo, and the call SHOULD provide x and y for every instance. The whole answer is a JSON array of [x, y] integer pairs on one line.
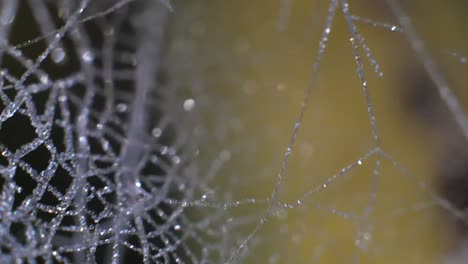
[[140, 131]]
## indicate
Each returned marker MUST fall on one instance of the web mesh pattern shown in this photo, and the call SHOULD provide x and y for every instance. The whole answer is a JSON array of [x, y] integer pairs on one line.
[[108, 155], [92, 168]]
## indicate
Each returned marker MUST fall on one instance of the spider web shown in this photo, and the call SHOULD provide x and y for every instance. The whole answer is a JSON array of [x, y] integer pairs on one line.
[[142, 131]]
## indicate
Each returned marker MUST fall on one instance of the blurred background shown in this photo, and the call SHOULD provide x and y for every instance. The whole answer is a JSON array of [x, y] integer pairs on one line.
[[256, 59]]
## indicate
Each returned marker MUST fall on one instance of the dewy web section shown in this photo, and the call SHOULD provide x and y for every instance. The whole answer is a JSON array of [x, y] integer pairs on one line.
[[289, 131]]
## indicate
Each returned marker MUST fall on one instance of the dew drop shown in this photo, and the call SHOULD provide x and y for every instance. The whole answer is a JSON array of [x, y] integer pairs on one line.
[[279, 212], [83, 140], [181, 187], [176, 159], [105, 146], [156, 132], [58, 55], [87, 56], [164, 150], [363, 240], [121, 107], [138, 184], [44, 79], [189, 104]]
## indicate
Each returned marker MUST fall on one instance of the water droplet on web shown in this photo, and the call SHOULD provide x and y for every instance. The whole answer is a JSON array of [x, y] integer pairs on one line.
[[181, 187], [42, 132], [87, 56], [58, 55], [189, 104], [359, 162], [44, 79], [176, 159], [82, 140], [279, 212], [177, 227], [363, 240], [156, 132], [60, 84], [138, 184], [393, 28], [154, 159], [164, 150], [121, 107], [27, 202], [34, 88], [16, 53]]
